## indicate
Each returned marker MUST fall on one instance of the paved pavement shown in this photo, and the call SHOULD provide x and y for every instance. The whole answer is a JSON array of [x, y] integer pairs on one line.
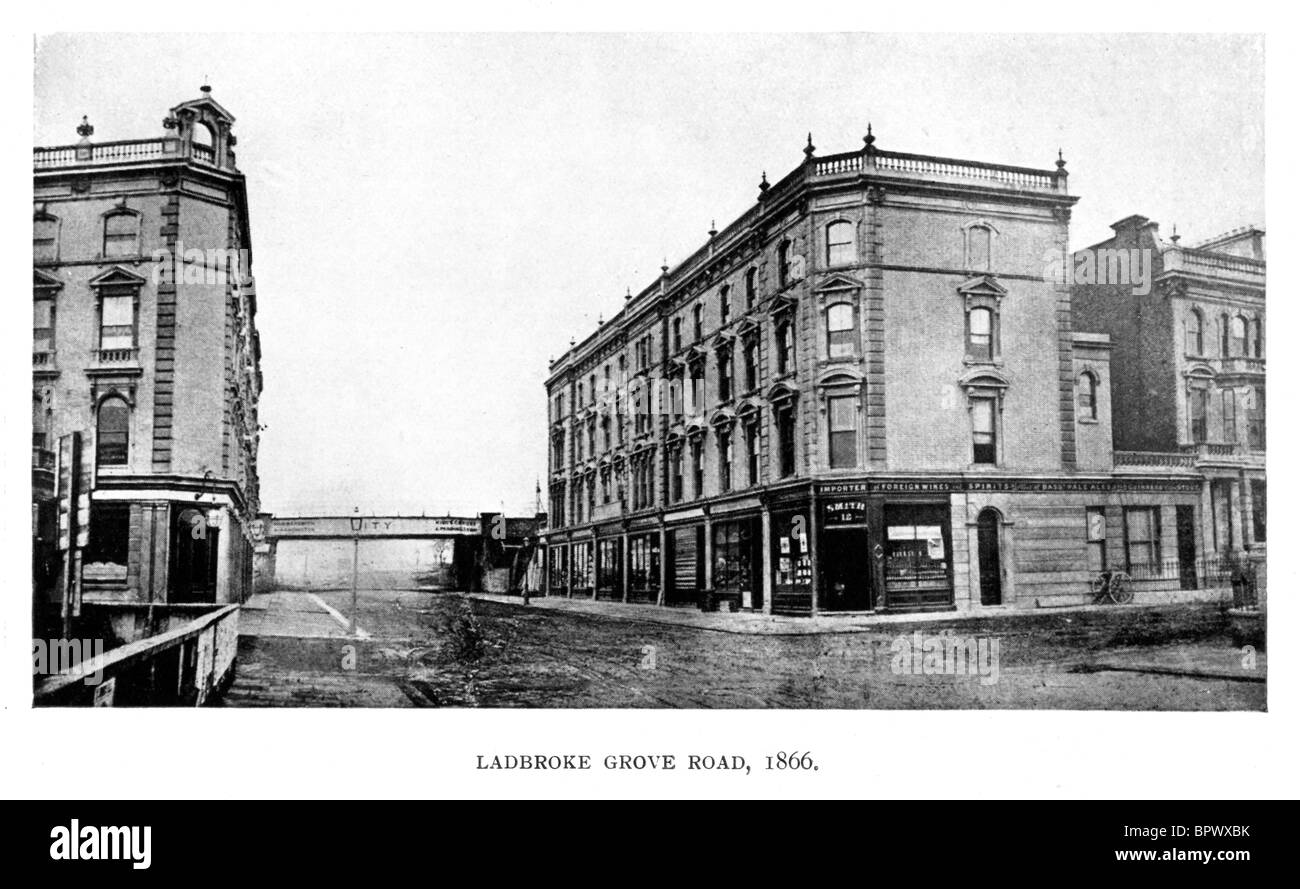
[[296, 614]]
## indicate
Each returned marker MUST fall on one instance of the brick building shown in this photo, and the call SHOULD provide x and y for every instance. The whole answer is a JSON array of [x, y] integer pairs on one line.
[[145, 368], [866, 393], [1188, 362]]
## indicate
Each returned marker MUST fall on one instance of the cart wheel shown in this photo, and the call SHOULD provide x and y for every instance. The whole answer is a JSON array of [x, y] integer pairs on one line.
[[1121, 590]]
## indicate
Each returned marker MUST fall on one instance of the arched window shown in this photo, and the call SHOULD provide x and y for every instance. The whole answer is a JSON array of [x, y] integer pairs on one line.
[[839, 243], [751, 288], [1257, 337], [979, 335], [1237, 342], [1087, 395], [203, 135], [697, 318], [783, 263], [839, 331], [45, 238], [112, 432], [724, 303], [979, 246], [1195, 326]]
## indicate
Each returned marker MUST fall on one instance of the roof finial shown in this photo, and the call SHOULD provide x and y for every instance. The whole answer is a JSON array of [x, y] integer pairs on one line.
[[664, 268], [1175, 237], [84, 129], [206, 88], [763, 185], [600, 320], [627, 296], [809, 149], [713, 228], [869, 139], [1060, 160]]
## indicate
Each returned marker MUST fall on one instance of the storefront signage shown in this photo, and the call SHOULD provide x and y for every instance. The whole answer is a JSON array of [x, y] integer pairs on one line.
[[844, 512]]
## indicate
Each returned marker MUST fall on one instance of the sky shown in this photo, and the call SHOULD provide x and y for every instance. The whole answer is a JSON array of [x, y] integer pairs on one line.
[[435, 216]]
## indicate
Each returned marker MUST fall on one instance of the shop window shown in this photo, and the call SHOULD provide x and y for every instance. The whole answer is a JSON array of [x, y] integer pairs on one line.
[[1141, 536], [733, 553], [582, 573], [792, 562], [839, 244], [110, 534], [112, 432], [841, 341], [917, 554], [842, 412]]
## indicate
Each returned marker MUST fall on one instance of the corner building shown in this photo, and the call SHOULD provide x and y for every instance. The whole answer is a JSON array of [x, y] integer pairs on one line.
[[865, 394], [146, 356]]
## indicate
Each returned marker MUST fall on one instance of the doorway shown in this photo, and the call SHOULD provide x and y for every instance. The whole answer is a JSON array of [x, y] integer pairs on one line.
[[988, 530], [194, 557], [1185, 520], [848, 570]]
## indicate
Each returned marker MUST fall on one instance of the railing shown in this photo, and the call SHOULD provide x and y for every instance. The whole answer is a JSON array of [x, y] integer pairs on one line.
[[923, 165], [1155, 458], [116, 356], [1244, 573], [1240, 364], [1213, 449], [128, 151], [185, 666], [1223, 261]]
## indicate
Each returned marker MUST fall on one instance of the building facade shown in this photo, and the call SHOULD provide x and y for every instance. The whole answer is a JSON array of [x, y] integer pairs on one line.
[[1188, 358], [145, 368], [864, 394]]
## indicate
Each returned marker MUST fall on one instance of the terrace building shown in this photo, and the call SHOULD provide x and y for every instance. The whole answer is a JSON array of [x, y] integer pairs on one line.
[[1188, 358], [145, 370], [866, 393]]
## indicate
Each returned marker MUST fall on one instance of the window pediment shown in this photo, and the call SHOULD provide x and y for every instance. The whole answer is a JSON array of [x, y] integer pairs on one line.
[[117, 277], [982, 286], [43, 281], [838, 282], [780, 392]]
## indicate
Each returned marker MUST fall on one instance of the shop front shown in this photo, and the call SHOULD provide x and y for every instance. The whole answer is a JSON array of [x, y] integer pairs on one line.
[[918, 556], [583, 554], [792, 568], [686, 574], [643, 567], [846, 556], [609, 568], [738, 562]]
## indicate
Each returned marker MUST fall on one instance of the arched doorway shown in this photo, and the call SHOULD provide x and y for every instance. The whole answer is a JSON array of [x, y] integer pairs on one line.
[[988, 532]]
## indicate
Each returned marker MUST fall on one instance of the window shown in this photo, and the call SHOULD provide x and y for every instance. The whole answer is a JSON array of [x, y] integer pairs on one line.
[[1255, 418], [1229, 416], [1258, 339], [1259, 509], [979, 334], [784, 346], [592, 389], [979, 243], [751, 363], [116, 320], [604, 485], [1223, 336], [677, 334], [606, 436], [785, 438], [110, 535], [579, 399], [591, 437], [1141, 536], [751, 288], [676, 459], [121, 232], [839, 243], [751, 450], [45, 239], [697, 321], [1195, 326], [43, 325], [1087, 396], [697, 466], [724, 375], [842, 411], [724, 459], [1198, 401], [984, 428], [1237, 343], [1096, 536], [839, 331], [783, 256], [724, 304], [557, 450], [112, 432]]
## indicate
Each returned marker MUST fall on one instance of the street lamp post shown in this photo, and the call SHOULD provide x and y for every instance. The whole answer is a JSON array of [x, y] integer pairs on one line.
[[355, 521]]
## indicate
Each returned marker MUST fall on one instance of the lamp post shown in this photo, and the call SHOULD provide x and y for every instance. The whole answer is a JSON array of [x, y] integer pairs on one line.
[[355, 521]]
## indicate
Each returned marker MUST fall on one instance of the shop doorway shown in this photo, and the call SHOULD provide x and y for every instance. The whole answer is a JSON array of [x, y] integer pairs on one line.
[[194, 557], [990, 556], [848, 570]]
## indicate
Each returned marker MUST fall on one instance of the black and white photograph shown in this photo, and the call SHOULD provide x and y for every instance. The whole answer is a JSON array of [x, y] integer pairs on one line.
[[573, 372]]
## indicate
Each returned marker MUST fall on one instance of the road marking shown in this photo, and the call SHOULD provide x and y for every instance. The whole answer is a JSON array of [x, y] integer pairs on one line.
[[361, 634]]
